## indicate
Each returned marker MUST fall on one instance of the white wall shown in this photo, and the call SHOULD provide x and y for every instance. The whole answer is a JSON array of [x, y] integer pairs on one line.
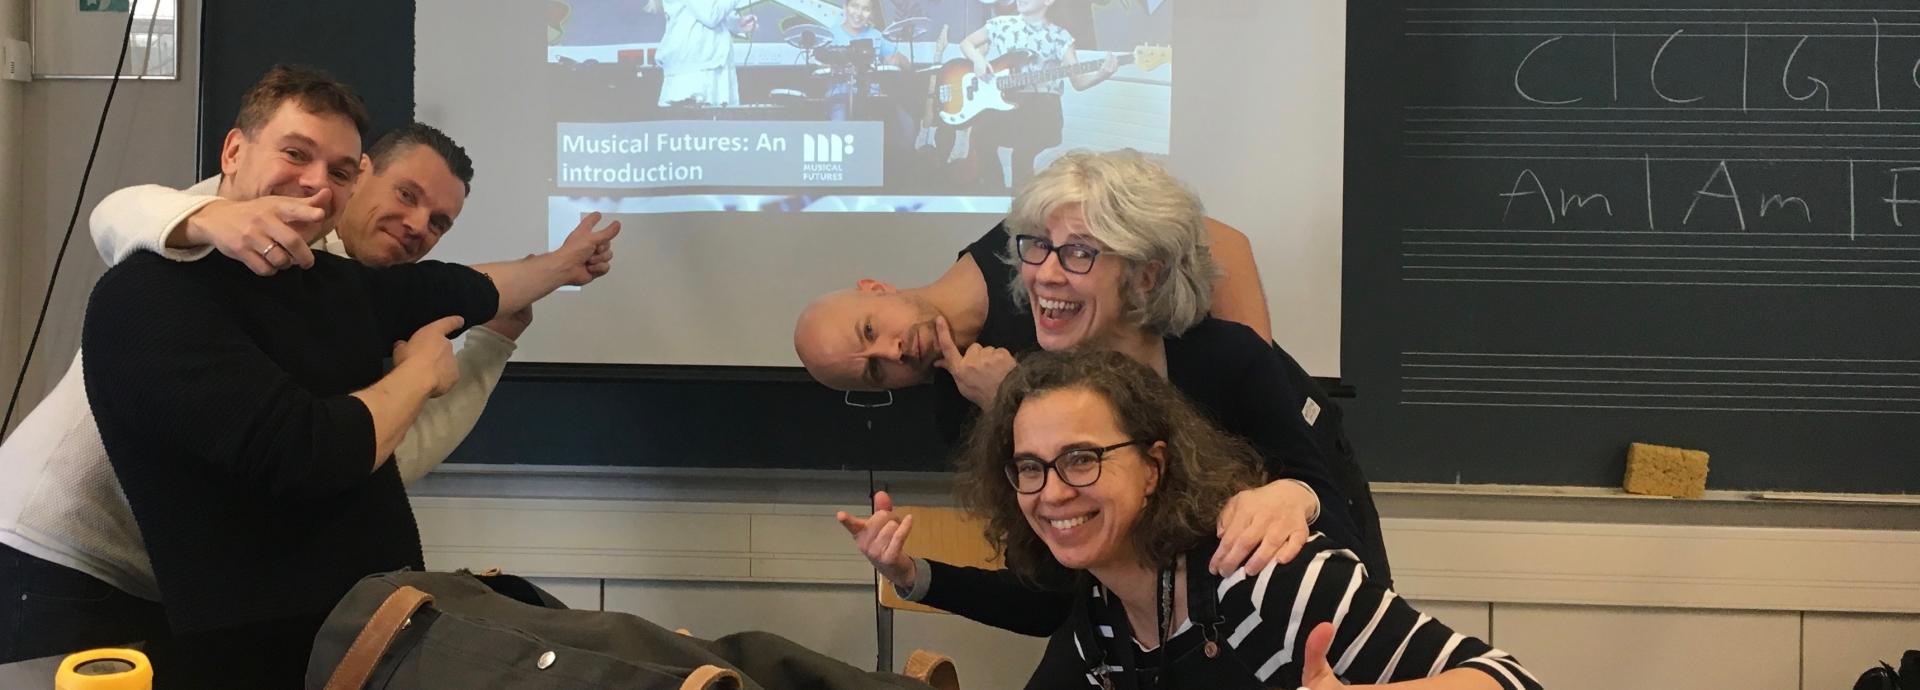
[[150, 137], [13, 24]]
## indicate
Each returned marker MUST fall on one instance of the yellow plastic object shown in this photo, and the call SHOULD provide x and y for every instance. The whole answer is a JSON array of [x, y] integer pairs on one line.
[[105, 669]]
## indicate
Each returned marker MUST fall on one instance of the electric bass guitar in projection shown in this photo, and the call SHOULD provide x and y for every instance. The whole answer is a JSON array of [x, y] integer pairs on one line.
[[964, 95], [927, 133]]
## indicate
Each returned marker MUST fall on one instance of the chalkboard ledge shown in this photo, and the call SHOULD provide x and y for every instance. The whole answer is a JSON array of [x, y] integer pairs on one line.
[[726, 485], [835, 488], [1601, 492], [1606, 505]]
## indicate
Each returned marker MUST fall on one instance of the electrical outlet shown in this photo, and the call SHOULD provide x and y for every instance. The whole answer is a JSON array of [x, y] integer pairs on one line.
[[16, 60]]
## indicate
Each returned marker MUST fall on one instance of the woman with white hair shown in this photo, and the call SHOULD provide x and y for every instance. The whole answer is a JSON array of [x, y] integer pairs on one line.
[[1112, 254]]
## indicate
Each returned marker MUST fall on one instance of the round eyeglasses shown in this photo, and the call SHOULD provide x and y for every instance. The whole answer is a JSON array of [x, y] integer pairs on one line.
[[1078, 467]]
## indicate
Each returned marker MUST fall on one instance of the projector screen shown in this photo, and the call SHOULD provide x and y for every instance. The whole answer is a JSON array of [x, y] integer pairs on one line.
[[813, 115], [761, 152]]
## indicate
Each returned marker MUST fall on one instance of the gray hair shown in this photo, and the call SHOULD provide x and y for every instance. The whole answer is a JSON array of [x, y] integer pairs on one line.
[[1143, 214]]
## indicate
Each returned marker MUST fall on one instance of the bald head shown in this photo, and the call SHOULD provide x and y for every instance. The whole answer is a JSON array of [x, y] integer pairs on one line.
[[869, 337]]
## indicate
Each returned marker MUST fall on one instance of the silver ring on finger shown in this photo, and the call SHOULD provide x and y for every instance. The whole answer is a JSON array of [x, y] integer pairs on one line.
[[269, 249]]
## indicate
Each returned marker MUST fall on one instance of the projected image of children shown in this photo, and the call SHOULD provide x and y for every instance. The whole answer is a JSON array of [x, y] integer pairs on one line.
[[844, 105]]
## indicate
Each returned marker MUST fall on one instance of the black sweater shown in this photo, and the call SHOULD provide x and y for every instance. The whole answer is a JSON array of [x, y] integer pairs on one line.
[[223, 400]]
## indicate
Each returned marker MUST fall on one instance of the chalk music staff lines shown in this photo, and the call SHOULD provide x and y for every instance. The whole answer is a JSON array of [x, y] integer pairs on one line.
[[1651, 382], [1710, 147]]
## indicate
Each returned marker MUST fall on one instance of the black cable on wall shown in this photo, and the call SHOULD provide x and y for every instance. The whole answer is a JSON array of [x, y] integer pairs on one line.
[[80, 195]]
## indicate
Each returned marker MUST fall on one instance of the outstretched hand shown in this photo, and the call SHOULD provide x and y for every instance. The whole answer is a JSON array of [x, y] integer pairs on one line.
[[264, 233], [882, 538], [588, 253]]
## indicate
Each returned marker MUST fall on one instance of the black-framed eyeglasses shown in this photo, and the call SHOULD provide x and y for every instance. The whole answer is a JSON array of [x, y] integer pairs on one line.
[[1075, 258], [1077, 467]]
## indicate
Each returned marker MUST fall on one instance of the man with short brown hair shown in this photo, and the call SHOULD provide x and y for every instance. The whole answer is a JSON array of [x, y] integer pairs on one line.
[[312, 89], [73, 571]]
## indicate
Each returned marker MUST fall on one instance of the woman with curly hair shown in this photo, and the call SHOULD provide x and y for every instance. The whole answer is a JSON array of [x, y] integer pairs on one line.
[[1093, 474]]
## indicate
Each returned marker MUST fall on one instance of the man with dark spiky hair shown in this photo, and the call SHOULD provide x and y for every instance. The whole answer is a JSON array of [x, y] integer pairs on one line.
[[390, 220]]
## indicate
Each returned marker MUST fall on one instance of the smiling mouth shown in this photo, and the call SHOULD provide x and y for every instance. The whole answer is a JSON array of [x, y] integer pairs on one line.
[[398, 240], [1068, 524], [1057, 309]]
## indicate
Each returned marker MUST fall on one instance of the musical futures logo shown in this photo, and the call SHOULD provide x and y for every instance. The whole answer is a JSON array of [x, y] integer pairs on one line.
[[822, 157]]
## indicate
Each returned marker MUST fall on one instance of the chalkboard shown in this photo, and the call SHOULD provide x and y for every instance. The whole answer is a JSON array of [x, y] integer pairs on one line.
[[1570, 226]]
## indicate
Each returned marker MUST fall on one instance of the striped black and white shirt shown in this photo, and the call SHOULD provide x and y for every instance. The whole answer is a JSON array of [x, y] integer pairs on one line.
[[1259, 624]]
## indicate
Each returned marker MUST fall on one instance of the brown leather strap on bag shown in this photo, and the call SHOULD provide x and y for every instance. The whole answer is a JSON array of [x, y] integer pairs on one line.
[[374, 639], [932, 668], [711, 677]]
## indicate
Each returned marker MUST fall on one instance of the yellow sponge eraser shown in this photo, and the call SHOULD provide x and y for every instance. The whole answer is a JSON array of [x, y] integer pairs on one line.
[[1662, 471]]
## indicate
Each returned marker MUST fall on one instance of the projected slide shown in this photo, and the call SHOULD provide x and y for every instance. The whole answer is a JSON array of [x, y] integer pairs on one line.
[[669, 106]]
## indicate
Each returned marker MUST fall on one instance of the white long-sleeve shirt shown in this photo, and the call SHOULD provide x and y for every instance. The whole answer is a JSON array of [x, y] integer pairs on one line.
[[59, 500]]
